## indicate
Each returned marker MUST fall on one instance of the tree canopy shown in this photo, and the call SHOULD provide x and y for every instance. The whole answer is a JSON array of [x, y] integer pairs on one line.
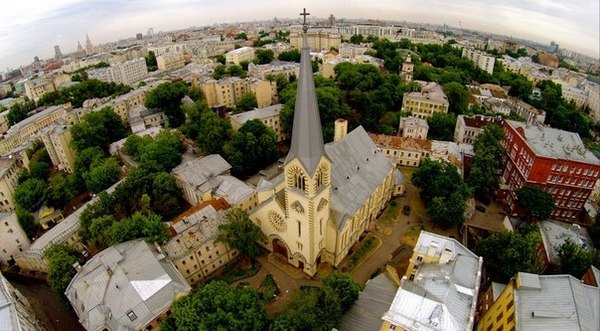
[[506, 253], [167, 97], [60, 269], [217, 306], [536, 203], [98, 129], [247, 102], [443, 190], [251, 148], [86, 89], [241, 233], [487, 161], [290, 56], [441, 126], [264, 56], [206, 128], [19, 111], [575, 260]]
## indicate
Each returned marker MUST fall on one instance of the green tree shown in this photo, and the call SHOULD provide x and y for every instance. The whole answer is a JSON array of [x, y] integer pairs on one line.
[[575, 259], [241, 36], [487, 161], [206, 128], [458, 97], [217, 306], [220, 58], [134, 144], [346, 288], [236, 71], [246, 102], [166, 196], [310, 309], [443, 191], [167, 97], [536, 203], [39, 170], [60, 191], [98, 129], [151, 61], [251, 148], [507, 253], [19, 112], [441, 126], [264, 56], [219, 72], [26, 221], [31, 194], [357, 39], [290, 56], [100, 235], [60, 269], [241, 233], [102, 175], [165, 150]]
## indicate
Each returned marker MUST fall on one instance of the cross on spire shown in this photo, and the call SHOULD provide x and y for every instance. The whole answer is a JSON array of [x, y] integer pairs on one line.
[[304, 25]]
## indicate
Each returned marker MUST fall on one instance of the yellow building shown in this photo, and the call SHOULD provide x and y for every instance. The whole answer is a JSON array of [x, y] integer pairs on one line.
[[327, 195], [243, 54], [36, 88], [270, 116], [57, 140], [170, 61], [319, 39], [439, 290], [230, 90], [194, 249], [28, 128], [10, 169], [430, 100], [541, 302]]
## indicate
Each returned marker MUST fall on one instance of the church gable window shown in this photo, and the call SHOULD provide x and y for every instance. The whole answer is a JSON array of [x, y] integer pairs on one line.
[[322, 177], [296, 178], [277, 221], [321, 204], [297, 206]]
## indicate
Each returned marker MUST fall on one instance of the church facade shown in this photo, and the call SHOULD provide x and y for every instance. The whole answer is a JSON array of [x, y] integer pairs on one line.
[[328, 195]]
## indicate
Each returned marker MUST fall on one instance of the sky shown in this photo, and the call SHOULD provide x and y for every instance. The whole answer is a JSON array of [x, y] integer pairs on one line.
[[32, 27]]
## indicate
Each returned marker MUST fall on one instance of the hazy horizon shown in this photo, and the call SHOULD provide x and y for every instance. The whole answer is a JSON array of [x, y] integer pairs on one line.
[[32, 27]]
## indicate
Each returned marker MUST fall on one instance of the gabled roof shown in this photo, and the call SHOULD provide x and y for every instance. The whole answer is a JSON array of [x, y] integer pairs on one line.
[[307, 136]]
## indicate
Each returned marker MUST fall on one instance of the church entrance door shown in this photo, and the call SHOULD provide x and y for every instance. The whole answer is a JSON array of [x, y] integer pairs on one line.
[[279, 248], [301, 265]]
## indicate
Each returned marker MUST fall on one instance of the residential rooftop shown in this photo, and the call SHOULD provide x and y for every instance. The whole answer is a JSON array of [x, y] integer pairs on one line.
[[259, 113]]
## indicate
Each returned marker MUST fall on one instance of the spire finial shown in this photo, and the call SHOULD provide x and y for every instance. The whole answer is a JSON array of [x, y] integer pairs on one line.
[[304, 25]]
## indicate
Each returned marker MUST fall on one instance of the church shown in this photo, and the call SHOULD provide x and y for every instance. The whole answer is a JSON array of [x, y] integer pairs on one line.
[[327, 195]]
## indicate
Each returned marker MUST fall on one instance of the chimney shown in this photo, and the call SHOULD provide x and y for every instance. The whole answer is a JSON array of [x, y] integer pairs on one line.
[[341, 129], [77, 266]]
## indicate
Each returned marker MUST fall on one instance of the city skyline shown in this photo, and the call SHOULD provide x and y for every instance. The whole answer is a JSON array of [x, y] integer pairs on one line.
[[32, 27]]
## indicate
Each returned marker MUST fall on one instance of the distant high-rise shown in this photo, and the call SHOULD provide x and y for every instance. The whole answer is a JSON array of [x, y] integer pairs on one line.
[[89, 48], [79, 47], [36, 59], [57, 53], [331, 20], [150, 32], [139, 36]]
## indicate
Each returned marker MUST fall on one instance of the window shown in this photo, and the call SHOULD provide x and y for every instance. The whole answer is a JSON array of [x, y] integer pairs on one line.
[[299, 229], [132, 316]]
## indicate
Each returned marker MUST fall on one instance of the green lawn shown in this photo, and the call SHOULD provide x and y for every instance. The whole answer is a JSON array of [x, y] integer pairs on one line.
[[365, 249]]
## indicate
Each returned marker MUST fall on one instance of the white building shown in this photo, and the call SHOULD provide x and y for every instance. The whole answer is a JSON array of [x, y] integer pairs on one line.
[[13, 239], [468, 128], [129, 72], [593, 102], [16, 312], [480, 59], [580, 97], [413, 127], [424, 104], [261, 71], [351, 50]]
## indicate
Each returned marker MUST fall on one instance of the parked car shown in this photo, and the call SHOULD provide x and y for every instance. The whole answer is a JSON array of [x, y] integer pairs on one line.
[[406, 210], [480, 208]]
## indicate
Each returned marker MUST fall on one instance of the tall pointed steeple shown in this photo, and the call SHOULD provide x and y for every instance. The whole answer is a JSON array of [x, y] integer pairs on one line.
[[307, 136]]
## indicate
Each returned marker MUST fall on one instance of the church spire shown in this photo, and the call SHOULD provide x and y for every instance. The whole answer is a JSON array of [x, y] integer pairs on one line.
[[307, 136]]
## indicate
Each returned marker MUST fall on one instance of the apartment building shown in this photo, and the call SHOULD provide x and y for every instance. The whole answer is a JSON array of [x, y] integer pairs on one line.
[[579, 96], [480, 59], [170, 61], [57, 140], [554, 160], [242, 54], [193, 249], [30, 127], [13, 239], [229, 91], [351, 50], [440, 288], [424, 104], [261, 71], [270, 116], [468, 128], [35, 89], [319, 39], [16, 311], [159, 50], [10, 169], [129, 72], [531, 114]]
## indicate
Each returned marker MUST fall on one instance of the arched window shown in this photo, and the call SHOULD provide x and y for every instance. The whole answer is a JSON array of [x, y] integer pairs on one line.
[[322, 177], [296, 178]]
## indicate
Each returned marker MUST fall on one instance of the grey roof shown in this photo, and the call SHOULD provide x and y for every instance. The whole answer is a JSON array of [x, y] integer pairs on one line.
[[372, 303], [259, 113], [9, 314], [556, 302], [194, 231], [555, 143], [358, 169], [443, 295], [124, 287], [201, 173], [233, 190], [555, 233], [307, 137]]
